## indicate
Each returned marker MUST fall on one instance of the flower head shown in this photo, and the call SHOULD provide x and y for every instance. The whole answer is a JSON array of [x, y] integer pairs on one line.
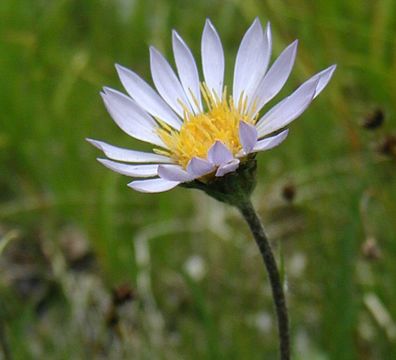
[[201, 130]]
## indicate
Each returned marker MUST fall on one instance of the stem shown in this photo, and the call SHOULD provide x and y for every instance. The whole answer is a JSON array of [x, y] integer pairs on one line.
[[256, 227]]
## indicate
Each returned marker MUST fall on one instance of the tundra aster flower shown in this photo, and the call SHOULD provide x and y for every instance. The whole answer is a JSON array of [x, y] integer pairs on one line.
[[200, 130]]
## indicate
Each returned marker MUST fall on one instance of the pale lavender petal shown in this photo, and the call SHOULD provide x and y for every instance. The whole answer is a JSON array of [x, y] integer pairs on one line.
[[153, 185], [212, 59], [251, 61], [131, 170], [187, 70], [295, 104], [130, 117], [271, 142], [146, 97], [324, 78], [174, 173], [247, 136], [219, 153], [227, 168], [276, 77], [288, 109], [167, 83], [198, 167], [121, 154]]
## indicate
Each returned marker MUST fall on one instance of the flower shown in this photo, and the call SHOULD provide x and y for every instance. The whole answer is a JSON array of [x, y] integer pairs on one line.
[[199, 130]]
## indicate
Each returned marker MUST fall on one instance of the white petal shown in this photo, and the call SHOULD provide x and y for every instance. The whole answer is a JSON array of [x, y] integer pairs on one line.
[[251, 61], [288, 109], [130, 117], [271, 142], [167, 83], [153, 185], [212, 59], [121, 154], [227, 168], [187, 70], [247, 136], [199, 167], [324, 78], [219, 154], [174, 173], [146, 97], [276, 77], [130, 170]]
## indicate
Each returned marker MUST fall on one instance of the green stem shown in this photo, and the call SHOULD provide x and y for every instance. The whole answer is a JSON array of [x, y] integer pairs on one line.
[[256, 227]]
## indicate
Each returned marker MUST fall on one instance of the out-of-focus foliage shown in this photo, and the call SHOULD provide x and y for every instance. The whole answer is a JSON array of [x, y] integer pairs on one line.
[[90, 269]]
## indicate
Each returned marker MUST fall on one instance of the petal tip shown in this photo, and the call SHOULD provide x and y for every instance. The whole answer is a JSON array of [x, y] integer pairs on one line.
[[123, 72], [135, 186], [103, 95], [268, 31], [255, 28], [177, 40], [155, 185], [95, 143], [175, 35], [118, 66], [209, 25], [256, 22], [120, 69], [104, 162], [154, 52], [208, 22], [332, 68], [106, 90]]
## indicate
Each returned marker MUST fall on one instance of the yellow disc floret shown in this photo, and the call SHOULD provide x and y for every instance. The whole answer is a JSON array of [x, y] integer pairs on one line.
[[220, 121]]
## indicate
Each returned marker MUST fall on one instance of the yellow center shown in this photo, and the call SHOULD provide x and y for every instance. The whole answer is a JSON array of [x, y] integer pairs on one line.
[[220, 121]]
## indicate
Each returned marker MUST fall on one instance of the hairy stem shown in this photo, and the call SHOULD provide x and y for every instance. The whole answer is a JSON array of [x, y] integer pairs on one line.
[[256, 227]]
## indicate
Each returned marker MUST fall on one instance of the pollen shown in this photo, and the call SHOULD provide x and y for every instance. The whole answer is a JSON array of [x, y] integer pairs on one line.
[[218, 122]]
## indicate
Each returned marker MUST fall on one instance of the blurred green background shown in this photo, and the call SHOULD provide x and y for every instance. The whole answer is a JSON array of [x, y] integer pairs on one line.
[[90, 269]]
